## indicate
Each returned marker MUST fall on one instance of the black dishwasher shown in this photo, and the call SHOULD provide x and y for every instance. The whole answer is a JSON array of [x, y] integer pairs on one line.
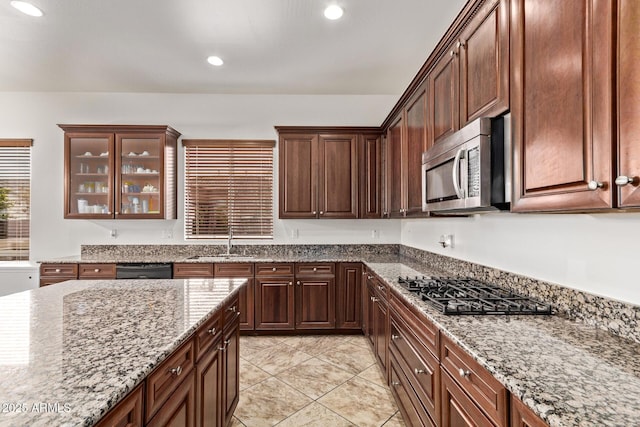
[[144, 271]]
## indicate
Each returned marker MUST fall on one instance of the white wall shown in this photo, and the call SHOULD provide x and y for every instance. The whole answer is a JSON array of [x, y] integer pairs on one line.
[[36, 115], [597, 253]]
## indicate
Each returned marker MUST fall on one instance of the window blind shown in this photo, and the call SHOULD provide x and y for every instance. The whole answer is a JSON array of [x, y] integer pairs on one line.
[[15, 184], [228, 189]]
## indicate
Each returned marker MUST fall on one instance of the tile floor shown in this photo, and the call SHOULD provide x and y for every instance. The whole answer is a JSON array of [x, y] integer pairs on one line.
[[323, 381]]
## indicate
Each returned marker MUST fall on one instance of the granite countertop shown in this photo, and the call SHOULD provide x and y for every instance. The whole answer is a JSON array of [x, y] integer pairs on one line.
[[69, 352]]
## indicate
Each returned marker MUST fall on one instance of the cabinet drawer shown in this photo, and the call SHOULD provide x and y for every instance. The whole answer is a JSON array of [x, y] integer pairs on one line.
[[188, 269], [482, 387], [420, 367], [208, 333], [422, 332], [311, 269], [457, 408], [379, 287], [97, 271], [167, 377], [266, 270], [412, 413], [126, 413], [68, 271], [231, 312], [233, 270], [521, 415]]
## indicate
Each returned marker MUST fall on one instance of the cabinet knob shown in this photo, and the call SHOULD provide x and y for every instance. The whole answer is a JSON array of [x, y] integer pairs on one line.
[[298, 283], [58, 270], [369, 277], [176, 371], [395, 337], [374, 299], [315, 269], [463, 373], [212, 331], [321, 212], [232, 309], [623, 180], [594, 185], [418, 371], [395, 383], [96, 270], [380, 287], [273, 269], [314, 212], [451, 53], [290, 283], [458, 44]]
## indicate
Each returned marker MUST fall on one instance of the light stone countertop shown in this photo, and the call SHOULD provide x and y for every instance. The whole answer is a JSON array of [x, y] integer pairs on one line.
[[69, 352]]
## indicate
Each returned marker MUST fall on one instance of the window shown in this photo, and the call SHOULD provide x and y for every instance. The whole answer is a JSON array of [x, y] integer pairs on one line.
[[15, 198], [228, 189]]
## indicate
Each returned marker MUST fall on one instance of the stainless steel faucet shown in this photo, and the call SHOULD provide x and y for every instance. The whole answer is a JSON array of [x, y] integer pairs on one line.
[[229, 245]]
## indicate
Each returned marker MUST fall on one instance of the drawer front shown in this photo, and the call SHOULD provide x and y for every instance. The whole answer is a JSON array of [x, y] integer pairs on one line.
[[97, 271], [420, 329], [69, 271], [457, 408], [231, 312], [412, 412], [167, 377], [208, 333], [420, 367], [482, 387], [187, 270], [315, 269], [233, 270], [379, 287], [267, 270], [126, 413]]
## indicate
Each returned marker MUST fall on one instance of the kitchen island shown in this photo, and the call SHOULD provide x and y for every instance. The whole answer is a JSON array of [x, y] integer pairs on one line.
[[72, 351]]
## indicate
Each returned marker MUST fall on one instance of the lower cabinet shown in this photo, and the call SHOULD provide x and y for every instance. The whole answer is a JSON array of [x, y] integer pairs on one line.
[[522, 416], [180, 408], [56, 273], [274, 303], [458, 410], [315, 296], [349, 296], [377, 328], [401, 389], [230, 369], [127, 413]]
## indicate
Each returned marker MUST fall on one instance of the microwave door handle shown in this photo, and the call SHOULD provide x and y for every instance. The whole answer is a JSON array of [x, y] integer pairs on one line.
[[455, 174]]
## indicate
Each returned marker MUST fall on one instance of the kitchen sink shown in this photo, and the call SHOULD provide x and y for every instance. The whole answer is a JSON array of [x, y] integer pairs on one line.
[[221, 257]]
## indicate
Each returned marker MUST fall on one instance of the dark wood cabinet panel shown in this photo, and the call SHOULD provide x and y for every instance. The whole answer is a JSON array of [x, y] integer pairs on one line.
[[188, 270], [401, 390], [370, 176], [338, 176], [180, 408], [231, 370], [484, 63], [315, 303], [458, 410], [274, 308], [416, 144], [96, 271], [562, 105], [246, 301], [208, 335], [394, 190], [444, 96], [56, 273], [208, 387], [628, 97], [274, 270], [349, 296], [298, 175], [522, 416], [127, 413]]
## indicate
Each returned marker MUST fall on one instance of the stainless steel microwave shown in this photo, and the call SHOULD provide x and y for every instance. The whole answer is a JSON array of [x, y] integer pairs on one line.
[[470, 171]]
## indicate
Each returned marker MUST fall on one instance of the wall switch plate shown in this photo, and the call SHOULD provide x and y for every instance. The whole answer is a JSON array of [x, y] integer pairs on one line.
[[375, 234], [113, 233], [295, 233], [446, 240]]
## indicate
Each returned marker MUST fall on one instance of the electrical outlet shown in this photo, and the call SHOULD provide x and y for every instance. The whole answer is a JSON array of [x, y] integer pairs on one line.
[[295, 233], [113, 233], [375, 234]]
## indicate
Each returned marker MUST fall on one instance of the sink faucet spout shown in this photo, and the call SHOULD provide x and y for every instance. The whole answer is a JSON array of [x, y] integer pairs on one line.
[[229, 244]]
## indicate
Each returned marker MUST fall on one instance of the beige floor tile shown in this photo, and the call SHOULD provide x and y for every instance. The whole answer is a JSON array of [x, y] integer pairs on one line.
[[315, 344], [374, 374], [395, 421], [278, 359], [269, 402], [314, 377], [361, 402], [349, 357], [360, 340], [250, 345], [315, 415], [250, 374], [236, 423]]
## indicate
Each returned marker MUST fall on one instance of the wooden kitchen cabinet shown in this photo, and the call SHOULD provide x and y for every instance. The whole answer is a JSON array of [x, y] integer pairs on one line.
[[230, 389], [180, 408], [400, 388], [458, 410], [394, 188], [377, 329], [274, 297], [444, 93], [561, 103], [208, 386], [370, 155], [127, 413], [246, 297], [522, 416], [56, 273], [315, 296], [121, 172], [349, 296], [96, 271], [189, 270]]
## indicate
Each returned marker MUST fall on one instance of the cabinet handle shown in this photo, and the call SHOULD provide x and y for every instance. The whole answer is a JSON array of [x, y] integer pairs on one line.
[[315, 269], [96, 270], [395, 383], [298, 283], [176, 371], [418, 371], [463, 373], [225, 344], [273, 269], [369, 277], [380, 287], [321, 213], [58, 270], [594, 185], [212, 331], [232, 309], [374, 299], [395, 337], [623, 180], [314, 212], [290, 283]]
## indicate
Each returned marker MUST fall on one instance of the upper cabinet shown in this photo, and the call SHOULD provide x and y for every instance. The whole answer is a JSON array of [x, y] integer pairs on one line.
[[329, 172], [471, 78], [562, 82], [122, 172]]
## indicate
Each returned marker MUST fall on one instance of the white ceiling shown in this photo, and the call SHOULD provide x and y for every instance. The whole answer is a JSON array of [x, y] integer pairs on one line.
[[269, 46]]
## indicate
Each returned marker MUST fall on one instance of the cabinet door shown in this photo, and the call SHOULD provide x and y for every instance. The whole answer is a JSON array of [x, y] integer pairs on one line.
[[245, 305], [298, 175], [380, 331], [208, 387], [338, 176], [484, 63], [416, 144], [562, 105], [370, 176], [186, 270], [370, 323], [315, 303], [628, 97], [394, 188], [231, 370], [89, 164], [274, 304], [349, 296], [127, 413], [522, 416], [443, 96], [457, 409], [179, 410]]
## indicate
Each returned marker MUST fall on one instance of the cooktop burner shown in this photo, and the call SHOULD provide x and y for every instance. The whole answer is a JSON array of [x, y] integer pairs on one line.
[[471, 296]]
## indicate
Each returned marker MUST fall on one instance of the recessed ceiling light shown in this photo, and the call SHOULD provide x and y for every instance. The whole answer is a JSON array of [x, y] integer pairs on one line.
[[333, 12], [26, 8], [215, 60]]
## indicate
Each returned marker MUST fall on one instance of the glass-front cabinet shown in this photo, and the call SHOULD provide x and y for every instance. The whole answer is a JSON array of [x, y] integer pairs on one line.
[[122, 172]]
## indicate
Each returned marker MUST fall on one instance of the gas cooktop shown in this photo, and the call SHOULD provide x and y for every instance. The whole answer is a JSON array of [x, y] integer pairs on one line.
[[470, 296]]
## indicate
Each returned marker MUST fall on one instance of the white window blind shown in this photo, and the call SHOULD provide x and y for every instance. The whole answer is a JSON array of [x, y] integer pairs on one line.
[[228, 189], [15, 184]]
